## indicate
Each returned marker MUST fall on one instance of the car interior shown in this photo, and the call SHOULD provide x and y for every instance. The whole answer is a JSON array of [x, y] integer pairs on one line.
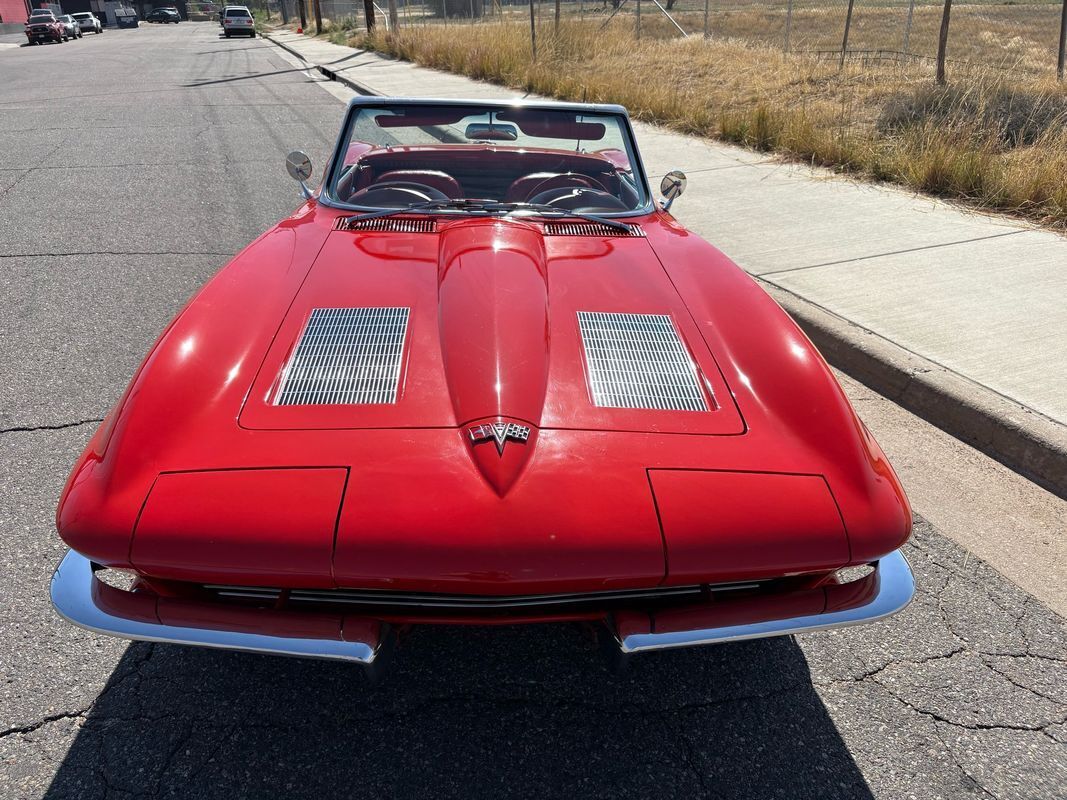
[[516, 157], [572, 181]]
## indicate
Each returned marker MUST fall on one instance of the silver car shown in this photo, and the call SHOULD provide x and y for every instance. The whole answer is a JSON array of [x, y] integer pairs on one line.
[[70, 26]]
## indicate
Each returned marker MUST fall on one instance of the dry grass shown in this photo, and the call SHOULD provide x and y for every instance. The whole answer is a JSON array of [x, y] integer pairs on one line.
[[987, 139]]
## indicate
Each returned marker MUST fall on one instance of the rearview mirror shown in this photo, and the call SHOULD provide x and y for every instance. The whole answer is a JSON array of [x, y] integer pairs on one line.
[[671, 187], [299, 167], [489, 132]]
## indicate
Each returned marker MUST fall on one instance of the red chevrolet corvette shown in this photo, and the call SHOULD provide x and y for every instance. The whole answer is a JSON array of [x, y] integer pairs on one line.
[[480, 377]]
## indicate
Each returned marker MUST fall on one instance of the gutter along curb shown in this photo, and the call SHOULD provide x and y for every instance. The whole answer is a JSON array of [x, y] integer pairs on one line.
[[1019, 437]]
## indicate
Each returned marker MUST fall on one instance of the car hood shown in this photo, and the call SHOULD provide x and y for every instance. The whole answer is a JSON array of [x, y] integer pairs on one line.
[[485, 320], [209, 469]]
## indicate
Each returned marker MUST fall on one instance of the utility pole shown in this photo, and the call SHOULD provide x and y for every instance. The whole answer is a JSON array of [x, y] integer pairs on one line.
[[368, 10], [907, 25], [638, 19], [557, 16], [1063, 42], [788, 23], [844, 41], [318, 18], [706, 4], [394, 17], [533, 30], [303, 14], [942, 42]]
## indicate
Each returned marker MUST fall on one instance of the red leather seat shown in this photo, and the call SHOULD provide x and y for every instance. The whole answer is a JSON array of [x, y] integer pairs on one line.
[[433, 178]]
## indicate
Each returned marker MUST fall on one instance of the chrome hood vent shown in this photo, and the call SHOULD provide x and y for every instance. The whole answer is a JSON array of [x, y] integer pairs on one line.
[[346, 356], [638, 361], [589, 229], [387, 225]]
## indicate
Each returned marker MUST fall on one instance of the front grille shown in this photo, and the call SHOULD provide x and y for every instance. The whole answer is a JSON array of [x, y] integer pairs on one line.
[[388, 225], [638, 361], [346, 356], [589, 229], [436, 602]]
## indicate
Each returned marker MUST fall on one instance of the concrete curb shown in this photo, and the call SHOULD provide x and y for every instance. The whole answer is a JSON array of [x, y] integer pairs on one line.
[[332, 75], [1022, 439], [1018, 437]]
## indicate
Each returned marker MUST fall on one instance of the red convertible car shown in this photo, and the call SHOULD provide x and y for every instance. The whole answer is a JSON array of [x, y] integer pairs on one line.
[[481, 376]]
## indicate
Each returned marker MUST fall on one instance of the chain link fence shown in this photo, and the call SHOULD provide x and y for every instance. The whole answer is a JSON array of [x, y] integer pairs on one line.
[[998, 33]]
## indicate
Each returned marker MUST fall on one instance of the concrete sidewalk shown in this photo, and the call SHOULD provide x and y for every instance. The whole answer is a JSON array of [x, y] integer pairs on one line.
[[960, 316]]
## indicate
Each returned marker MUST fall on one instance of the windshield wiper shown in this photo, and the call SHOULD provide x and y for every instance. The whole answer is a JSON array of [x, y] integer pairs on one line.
[[429, 205], [486, 207], [543, 209]]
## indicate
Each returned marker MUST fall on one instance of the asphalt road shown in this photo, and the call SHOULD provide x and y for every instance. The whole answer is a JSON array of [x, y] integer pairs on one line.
[[134, 164]]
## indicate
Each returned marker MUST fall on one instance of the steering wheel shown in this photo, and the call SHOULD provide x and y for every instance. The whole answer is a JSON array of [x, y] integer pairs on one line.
[[566, 181], [580, 199], [396, 193]]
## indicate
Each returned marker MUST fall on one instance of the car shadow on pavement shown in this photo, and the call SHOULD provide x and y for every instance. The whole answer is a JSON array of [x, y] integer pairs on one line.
[[465, 712]]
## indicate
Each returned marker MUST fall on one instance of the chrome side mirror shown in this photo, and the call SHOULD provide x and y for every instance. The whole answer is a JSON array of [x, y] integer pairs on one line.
[[298, 165], [671, 187]]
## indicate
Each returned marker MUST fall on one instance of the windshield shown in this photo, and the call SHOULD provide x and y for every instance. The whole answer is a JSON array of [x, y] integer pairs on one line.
[[403, 155]]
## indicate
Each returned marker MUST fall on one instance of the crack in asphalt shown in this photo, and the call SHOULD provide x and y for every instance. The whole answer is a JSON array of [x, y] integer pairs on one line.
[[33, 726], [873, 673], [968, 777], [689, 759], [82, 713], [1024, 687], [57, 427], [973, 726], [183, 740]]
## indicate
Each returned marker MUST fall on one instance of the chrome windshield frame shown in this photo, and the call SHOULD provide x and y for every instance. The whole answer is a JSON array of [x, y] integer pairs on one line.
[[359, 102]]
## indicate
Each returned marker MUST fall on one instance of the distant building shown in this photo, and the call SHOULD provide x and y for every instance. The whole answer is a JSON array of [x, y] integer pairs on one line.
[[14, 11]]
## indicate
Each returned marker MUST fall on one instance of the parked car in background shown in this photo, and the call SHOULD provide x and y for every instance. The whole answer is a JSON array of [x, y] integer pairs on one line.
[[88, 22], [70, 26], [163, 16], [42, 26], [237, 21], [222, 14]]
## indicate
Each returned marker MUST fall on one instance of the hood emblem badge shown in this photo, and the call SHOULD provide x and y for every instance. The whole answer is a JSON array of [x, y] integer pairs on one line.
[[499, 433]]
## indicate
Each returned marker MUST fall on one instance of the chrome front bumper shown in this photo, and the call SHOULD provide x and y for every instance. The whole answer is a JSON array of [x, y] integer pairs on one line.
[[884, 591], [83, 599]]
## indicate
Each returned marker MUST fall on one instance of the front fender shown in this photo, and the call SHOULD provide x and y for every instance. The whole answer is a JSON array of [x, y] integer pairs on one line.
[[786, 391]]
